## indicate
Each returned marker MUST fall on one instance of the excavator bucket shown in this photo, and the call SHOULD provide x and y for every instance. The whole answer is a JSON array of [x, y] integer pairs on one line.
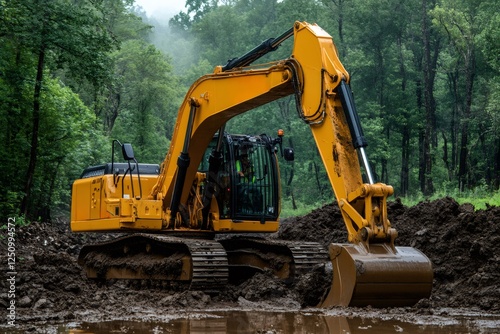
[[380, 277]]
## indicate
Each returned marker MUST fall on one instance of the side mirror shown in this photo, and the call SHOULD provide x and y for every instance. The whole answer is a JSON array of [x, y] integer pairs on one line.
[[128, 152], [288, 154]]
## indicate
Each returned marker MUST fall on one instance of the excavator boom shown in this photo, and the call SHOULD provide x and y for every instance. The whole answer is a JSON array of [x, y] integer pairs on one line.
[[369, 269]]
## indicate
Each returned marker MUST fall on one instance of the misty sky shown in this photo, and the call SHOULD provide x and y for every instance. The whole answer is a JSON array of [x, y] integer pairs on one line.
[[161, 8]]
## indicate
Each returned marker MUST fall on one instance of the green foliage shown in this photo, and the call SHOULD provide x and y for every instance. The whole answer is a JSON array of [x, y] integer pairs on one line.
[[44, 123], [10, 202], [145, 92], [384, 56], [67, 124], [20, 221], [488, 38], [104, 80]]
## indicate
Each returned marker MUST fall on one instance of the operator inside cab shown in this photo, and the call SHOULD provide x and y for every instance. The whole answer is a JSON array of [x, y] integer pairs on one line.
[[244, 167], [249, 197], [246, 177]]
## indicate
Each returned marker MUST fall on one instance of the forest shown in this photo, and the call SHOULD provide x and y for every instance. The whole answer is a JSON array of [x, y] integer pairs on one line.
[[77, 74]]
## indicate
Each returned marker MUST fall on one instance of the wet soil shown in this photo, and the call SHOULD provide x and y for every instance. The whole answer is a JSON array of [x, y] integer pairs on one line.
[[461, 243]]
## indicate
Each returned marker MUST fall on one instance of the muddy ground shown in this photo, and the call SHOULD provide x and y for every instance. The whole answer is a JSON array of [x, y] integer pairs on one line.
[[461, 243]]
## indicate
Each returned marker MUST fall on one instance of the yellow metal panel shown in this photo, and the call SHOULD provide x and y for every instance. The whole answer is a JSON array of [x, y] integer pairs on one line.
[[150, 209], [95, 198], [95, 225], [227, 225], [142, 224], [80, 200], [114, 224], [125, 207]]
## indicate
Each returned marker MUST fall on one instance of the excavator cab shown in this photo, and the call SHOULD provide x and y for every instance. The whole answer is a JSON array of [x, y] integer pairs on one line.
[[245, 177]]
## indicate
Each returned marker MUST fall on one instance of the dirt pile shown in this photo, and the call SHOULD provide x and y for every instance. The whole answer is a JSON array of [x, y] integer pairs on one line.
[[461, 243], [48, 278]]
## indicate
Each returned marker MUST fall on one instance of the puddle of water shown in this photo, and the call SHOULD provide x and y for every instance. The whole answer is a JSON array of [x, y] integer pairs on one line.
[[279, 322]]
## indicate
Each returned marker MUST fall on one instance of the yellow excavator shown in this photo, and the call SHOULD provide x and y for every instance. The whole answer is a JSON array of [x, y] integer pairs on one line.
[[173, 212]]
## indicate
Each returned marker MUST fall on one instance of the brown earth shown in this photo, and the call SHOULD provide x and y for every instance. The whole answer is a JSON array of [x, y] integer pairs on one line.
[[461, 243]]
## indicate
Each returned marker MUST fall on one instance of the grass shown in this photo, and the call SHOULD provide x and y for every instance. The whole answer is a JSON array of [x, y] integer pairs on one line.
[[478, 197], [302, 209]]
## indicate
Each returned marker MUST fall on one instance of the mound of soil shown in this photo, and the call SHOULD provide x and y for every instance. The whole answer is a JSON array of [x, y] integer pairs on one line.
[[461, 243]]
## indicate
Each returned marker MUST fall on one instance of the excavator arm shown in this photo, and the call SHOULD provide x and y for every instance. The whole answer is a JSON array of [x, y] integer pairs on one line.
[[318, 79]]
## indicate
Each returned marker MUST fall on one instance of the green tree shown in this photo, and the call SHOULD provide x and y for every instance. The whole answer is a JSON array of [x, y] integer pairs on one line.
[[143, 100], [53, 34], [489, 44], [196, 9], [376, 59], [459, 21], [66, 125]]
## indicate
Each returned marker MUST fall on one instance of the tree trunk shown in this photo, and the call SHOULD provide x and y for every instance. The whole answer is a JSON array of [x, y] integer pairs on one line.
[[469, 83], [446, 160], [318, 178], [111, 111], [496, 165], [405, 131], [34, 134], [46, 213], [339, 11], [485, 150], [419, 93], [453, 87], [462, 163], [384, 175], [405, 161], [429, 133], [421, 161], [340, 7]]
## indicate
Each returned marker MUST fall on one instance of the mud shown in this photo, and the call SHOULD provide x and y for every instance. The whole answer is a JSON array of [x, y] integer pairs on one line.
[[461, 243]]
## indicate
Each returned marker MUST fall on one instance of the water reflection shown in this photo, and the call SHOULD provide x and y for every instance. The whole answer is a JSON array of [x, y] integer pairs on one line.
[[277, 322]]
